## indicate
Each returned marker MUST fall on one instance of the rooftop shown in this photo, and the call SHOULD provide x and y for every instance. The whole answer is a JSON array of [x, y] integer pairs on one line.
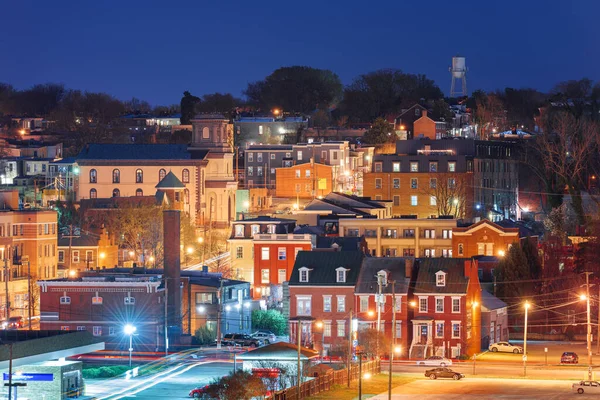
[[278, 351], [323, 264], [96, 151], [170, 181]]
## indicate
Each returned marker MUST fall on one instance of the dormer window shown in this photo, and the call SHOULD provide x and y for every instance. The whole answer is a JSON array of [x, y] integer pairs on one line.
[[270, 228], [340, 274], [440, 279], [255, 229], [303, 274], [239, 230]]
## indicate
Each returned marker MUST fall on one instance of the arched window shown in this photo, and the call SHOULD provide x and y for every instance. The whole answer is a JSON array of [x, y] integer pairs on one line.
[[116, 193], [139, 176], [139, 192], [116, 176], [205, 133], [185, 176], [186, 196], [93, 176], [161, 174], [93, 194]]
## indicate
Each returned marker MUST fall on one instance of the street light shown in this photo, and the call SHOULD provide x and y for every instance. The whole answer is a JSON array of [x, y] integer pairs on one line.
[[527, 306], [586, 298], [130, 330], [188, 252]]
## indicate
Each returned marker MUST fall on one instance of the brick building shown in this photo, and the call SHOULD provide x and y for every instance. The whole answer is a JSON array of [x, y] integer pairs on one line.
[[321, 289], [446, 301], [304, 181], [103, 303], [425, 127], [484, 238], [87, 251]]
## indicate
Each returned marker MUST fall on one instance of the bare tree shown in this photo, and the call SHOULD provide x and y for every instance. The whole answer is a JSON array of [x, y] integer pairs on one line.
[[448, 192]]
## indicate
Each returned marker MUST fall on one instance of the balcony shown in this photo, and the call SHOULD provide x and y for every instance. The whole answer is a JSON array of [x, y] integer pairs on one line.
[[275, 237]]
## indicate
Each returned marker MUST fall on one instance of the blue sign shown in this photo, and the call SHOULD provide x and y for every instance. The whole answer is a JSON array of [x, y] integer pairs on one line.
[[29, 377]]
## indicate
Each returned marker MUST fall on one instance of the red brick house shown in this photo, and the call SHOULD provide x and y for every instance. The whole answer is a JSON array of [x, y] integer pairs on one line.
[[391, 269], [484, 238], [446, 302], [321, 291]]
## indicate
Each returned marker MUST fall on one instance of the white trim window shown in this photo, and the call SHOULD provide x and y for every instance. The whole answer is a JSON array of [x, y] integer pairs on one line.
[[439, 304], [326, 328], [326, 303], [264, 253], [281, 275], [303, 305], [455, 329], [303, 274], [456, 305], [341, 303], [65, 300], [439, 329], [398, 303], [239, 230], [340, 274], [281, 253], [440, 279], [423, 304], [364, 303], [239, 252], [97, 331], [341, 328], [264, 275], [398, 333]]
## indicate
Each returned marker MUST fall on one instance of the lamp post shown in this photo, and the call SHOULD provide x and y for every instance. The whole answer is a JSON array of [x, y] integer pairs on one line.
[[319, 325], [527, 305], [586, 298], [130, 330], [360, 375], [188, 252]]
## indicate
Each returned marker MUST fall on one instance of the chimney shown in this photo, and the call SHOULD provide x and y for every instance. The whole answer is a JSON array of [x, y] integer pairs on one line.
[[424, 113], [171, 233], [408, 267]]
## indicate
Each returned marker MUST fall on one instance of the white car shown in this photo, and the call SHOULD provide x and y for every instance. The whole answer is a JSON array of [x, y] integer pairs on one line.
[[505, 347], [586, 386], [435, 361]]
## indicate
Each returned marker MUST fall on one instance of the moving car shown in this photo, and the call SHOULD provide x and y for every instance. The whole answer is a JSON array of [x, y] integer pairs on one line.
[[15, 322], [443, 373], [201, 392], [569, 357], [436, 361], [505, 347], [586, 387], [240, 339], [266, 336]]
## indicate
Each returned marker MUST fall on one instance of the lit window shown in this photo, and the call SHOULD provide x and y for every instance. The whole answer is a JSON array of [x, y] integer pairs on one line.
[[341, 275], [364, 303], [93, 194], [414, 166], [93, 176], [440, 279], [396, 183], [239, 230], [423, 304], [327, 328], [139, 192], [303, 305], [307, 173], [452, 166], [341, 303], [439, 329], [239, 252], [327, 303], [264, 276], [116, 176], [377, 167], [185, 176], [264, 251], [161, 174], [303, 274], [413, 201], [414, 183], [461, 249], [65, 300], [396, 167], [282, 275], [297, 173], [139, 176], [432, 201], [281, 253], [439, 304], [341, 328]]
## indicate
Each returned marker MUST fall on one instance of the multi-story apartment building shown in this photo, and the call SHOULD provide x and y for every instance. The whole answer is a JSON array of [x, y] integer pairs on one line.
[[459, 177], [87, 251], [321, 289], [402, 237], [261, 161], [241, 241], [275, 255], [304, 181], [447, 308], [369, 311], [252, 130]]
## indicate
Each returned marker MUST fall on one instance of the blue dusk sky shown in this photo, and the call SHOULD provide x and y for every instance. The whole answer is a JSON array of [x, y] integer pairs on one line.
[[154, 50]]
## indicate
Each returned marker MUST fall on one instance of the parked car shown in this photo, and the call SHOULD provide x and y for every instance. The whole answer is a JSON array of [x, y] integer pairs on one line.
[[435, 361], [586, 386], [505, 347], [569, 357], [201, 392], [15, 322], [240, 339], [266, 336], [443, 373]]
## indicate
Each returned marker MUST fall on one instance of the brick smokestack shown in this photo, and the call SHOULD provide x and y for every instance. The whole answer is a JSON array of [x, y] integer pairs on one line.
[[171, 234]]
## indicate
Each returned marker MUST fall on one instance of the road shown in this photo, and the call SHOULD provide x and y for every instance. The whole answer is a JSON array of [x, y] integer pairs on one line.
[[481, 388], [176, 385]]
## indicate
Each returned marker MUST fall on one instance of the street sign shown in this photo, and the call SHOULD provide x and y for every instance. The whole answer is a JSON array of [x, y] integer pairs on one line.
[[30, 377], [524, 357]]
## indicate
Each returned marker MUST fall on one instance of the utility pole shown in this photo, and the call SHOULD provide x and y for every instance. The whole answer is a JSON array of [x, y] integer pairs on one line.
[[166, 319], [393, 342], [598, 333], [349, 345], [219, 310], [6, 289], [589, 325], [299, 366], [29, 291]]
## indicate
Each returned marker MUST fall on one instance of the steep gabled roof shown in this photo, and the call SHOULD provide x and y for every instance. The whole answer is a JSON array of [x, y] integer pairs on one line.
[[81, 241], [490, 302], [456, 281], [322, 266], [396, 269], [170, 181]]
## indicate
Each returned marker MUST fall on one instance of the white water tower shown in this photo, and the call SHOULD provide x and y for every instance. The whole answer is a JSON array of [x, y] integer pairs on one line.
[[458, 72]]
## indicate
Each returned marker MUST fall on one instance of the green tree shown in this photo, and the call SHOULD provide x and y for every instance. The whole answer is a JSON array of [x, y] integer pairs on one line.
[[295, 89], [205, 335], [271, 320], [380, 132], [188, 107], [373, 343], [224, 103], [515, 275]]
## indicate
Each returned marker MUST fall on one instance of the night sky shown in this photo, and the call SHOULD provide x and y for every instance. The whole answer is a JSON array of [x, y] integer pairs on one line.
[[154, 50]]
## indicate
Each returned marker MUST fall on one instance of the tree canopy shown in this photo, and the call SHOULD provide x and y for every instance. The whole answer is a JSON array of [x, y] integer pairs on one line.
[[295, 89], [380, 132]]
